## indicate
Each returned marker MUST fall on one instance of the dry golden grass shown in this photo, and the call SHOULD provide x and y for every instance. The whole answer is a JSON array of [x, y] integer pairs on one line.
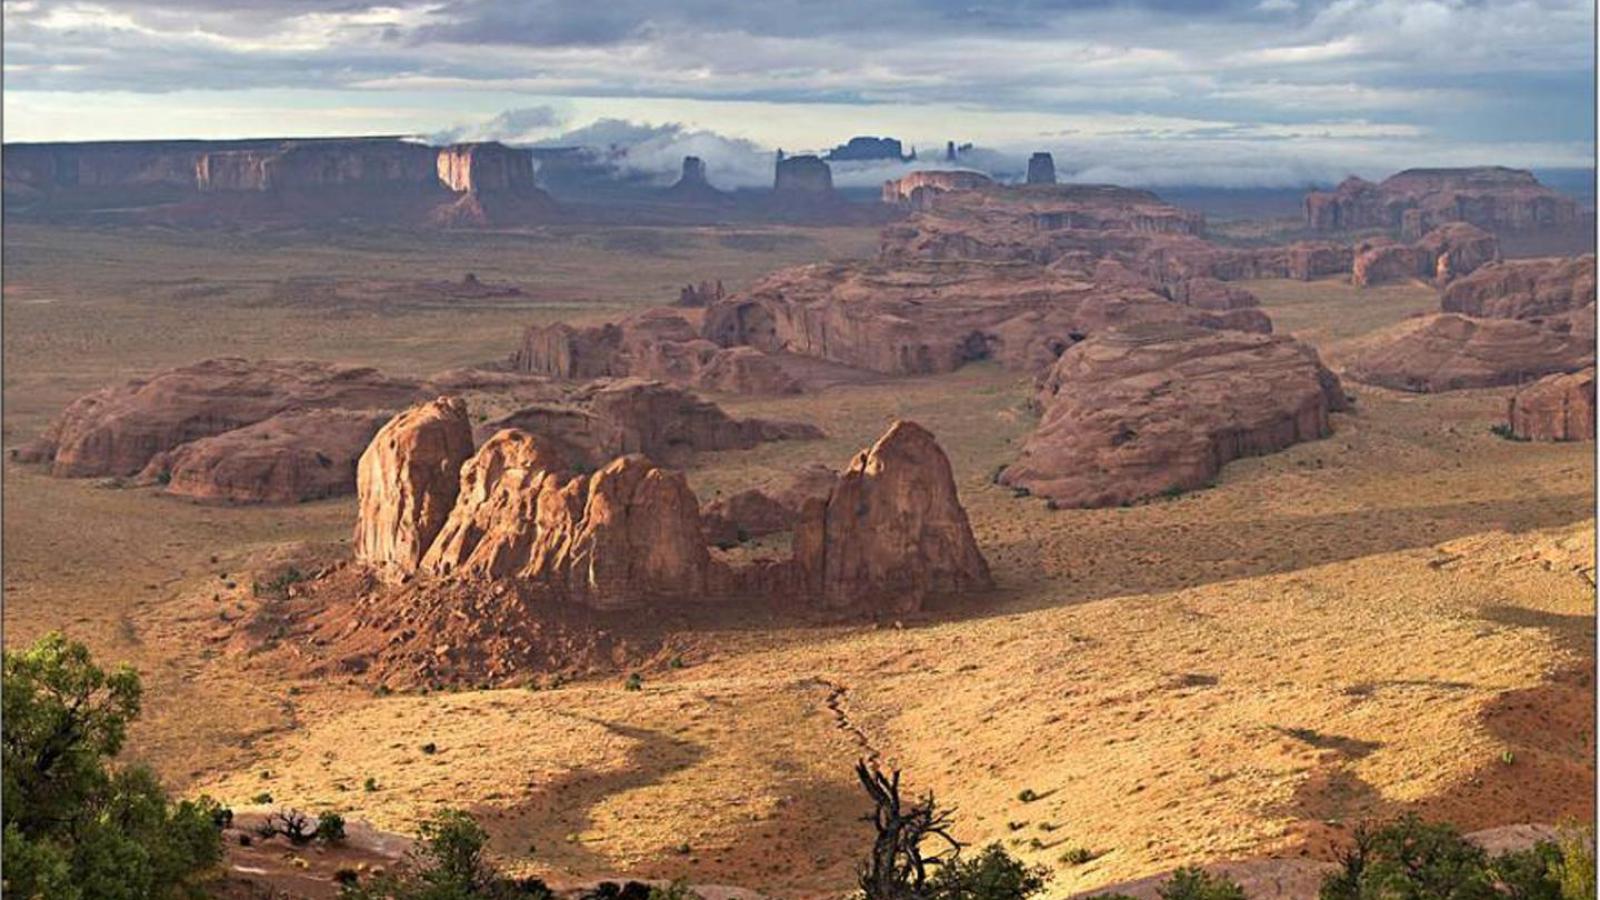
[[1343, 629]]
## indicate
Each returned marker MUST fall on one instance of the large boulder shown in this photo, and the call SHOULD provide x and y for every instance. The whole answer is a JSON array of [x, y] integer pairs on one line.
[[510, 508], [892, 532], [407, 482], [117, 430], [1554, 408], [1447, 351], [1523, 288], [1133, 414], [291, 457]]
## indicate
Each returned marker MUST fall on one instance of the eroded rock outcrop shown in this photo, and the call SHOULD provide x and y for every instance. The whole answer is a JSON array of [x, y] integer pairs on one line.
[[802, 177], [599, 421], [892, 532], [755, 513], [656, 343], [117, 430], [929, 317], [1442, 255], [1416, 201], [1554, 408], [292, 457], [887, 534], [406, 484], [919, 188], [1448, 351], [1155, 409], [1524, 288]]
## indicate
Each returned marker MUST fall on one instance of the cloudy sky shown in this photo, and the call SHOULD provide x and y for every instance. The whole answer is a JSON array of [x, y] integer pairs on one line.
[[1139, 91]]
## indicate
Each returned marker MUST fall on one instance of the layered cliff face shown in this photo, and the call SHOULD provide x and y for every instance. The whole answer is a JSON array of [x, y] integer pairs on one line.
[[1446, 352], [315, 165], [919, 188], [489, 166], [267, 181], [1416, 201], [1156, 409]]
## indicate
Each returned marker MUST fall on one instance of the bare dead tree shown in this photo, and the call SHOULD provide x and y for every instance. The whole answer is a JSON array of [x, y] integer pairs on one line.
[[898, 866]]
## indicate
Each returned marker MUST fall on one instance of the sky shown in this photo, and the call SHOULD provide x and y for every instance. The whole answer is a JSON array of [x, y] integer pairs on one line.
[[1223, 92]]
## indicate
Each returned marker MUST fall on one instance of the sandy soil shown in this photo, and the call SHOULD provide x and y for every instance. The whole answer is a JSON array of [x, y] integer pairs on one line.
[[1399, 616]]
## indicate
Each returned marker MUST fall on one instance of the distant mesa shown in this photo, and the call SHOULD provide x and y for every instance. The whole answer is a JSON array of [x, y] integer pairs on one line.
[[802, 176], [1041, 169], [384, 179], [866, 149], [1415, 201], [917, 190]]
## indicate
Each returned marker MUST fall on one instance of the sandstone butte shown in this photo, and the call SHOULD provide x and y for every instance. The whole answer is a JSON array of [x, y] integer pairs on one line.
[[754, 513], [1442, 255], [1448, 351], [117, 430], [1554, 408], [406, 483], [1523, 288], [890, 533], [1415, 201], [1157, 409]]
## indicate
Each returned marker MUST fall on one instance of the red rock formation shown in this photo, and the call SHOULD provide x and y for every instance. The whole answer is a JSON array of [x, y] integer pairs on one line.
[[1523, 289], [485, 167], [892, 532], [693, 187], [1448, 352], [1416, 201], [1554, 408], [703, 294], [289, 458], [1448, 252], [910, 319], [745, 370], [117, 430], [319, 164], [1153, 409], [407, 482], [755, 513], [919, 188], [1209, 293], [606, 419]]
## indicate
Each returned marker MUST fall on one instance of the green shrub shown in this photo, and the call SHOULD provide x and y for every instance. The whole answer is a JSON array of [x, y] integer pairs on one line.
[[330, 828], [992, 874], [448, 863], [635, 682], [74, 828], [1413, 858], [1194, 883], [1575, 872]]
